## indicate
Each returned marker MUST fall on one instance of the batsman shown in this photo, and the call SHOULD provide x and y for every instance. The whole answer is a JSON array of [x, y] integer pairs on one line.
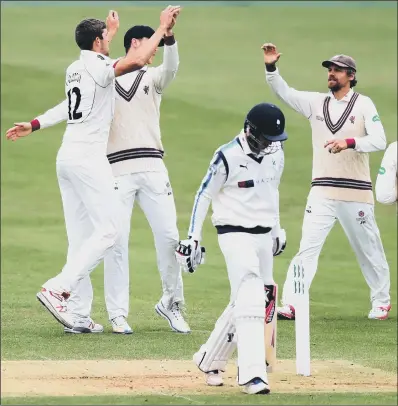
[[242, 185]]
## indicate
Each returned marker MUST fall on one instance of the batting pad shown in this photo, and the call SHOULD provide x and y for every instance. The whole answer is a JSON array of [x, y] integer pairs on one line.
[[214, 355], [249, 319]]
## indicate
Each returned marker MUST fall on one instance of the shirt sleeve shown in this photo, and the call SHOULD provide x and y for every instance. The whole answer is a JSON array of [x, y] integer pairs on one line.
[[166, 72], [54, 116], [210, 186], [276, 229], [386, 182], [297, 100], [102, 70], [375, 139]]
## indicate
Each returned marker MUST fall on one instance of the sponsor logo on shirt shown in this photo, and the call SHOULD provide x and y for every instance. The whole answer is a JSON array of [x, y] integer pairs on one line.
[[320, 118], [375, 118], [382, 170], [246, 183]]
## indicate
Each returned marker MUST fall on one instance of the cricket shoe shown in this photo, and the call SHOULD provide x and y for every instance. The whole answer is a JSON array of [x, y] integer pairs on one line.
[[213, 378], [84, 326], [120, 325], [174, 317], [286, 313], [256, 387], [55, 303], [379, 313]]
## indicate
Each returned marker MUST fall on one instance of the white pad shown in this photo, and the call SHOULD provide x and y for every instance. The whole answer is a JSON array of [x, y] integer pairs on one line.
[[214, 355], [249, 321]]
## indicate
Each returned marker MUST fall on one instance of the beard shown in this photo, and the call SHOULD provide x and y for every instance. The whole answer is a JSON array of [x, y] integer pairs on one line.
[[334, 87]]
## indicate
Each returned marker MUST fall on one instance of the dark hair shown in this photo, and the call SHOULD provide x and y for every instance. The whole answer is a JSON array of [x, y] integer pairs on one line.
[[87, 31], [354, 81]]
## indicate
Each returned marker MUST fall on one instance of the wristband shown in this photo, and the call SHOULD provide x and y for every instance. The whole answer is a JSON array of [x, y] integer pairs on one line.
[[270, 67], [35, 125], [169, 40], [350, 143]]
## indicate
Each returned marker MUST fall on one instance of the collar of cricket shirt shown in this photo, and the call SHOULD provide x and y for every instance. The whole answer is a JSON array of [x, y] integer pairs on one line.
[[243, 143], [85, 53], [345, 99]]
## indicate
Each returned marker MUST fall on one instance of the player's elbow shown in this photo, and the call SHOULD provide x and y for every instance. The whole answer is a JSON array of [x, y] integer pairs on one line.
[[382, 144], [385, 194], [386, 198]]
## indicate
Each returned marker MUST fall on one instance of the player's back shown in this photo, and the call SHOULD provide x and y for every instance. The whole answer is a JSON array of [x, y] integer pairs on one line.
[[89, 90]]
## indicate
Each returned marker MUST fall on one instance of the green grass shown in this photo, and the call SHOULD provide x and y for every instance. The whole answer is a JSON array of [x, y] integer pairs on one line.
[[274, 399], [221, 76]]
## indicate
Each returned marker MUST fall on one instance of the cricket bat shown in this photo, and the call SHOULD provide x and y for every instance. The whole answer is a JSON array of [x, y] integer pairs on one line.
[[271, 295]]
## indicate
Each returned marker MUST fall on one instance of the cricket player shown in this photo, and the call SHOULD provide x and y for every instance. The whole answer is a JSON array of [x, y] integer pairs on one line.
[[91, 206], [135, 152], [242, 184], [345, 128], [386, 182]]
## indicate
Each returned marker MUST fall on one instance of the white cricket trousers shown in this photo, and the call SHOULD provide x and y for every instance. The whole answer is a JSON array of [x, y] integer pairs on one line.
[[359, 224], [91, 217], [249, 261], [153, 193]]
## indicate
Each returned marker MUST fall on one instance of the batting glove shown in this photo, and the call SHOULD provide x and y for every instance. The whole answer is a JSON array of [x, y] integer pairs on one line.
[[279, 243], [190, 255]]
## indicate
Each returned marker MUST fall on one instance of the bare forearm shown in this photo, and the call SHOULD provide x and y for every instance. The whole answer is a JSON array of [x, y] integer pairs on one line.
[[137, 58], [111, 35]]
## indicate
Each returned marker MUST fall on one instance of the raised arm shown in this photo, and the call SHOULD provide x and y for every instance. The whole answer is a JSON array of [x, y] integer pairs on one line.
[[138, 58], [297, 100], [167, 71], [386, 182], [50, 118]]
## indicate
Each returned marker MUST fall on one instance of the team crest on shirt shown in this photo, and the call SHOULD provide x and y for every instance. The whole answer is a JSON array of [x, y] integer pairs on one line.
[[361, 217], [352, 119], [146, 89]]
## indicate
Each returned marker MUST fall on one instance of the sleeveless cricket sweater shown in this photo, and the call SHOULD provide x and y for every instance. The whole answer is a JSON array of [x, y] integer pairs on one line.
[[345, 175], [135, 139]]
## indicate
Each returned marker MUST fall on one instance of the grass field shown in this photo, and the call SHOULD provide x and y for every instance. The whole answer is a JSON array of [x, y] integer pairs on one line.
[[221, 76]]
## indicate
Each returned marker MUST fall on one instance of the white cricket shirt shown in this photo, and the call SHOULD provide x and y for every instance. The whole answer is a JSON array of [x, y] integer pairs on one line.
[[243, 189], [89, 104], [386, 182], [346, 175]]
